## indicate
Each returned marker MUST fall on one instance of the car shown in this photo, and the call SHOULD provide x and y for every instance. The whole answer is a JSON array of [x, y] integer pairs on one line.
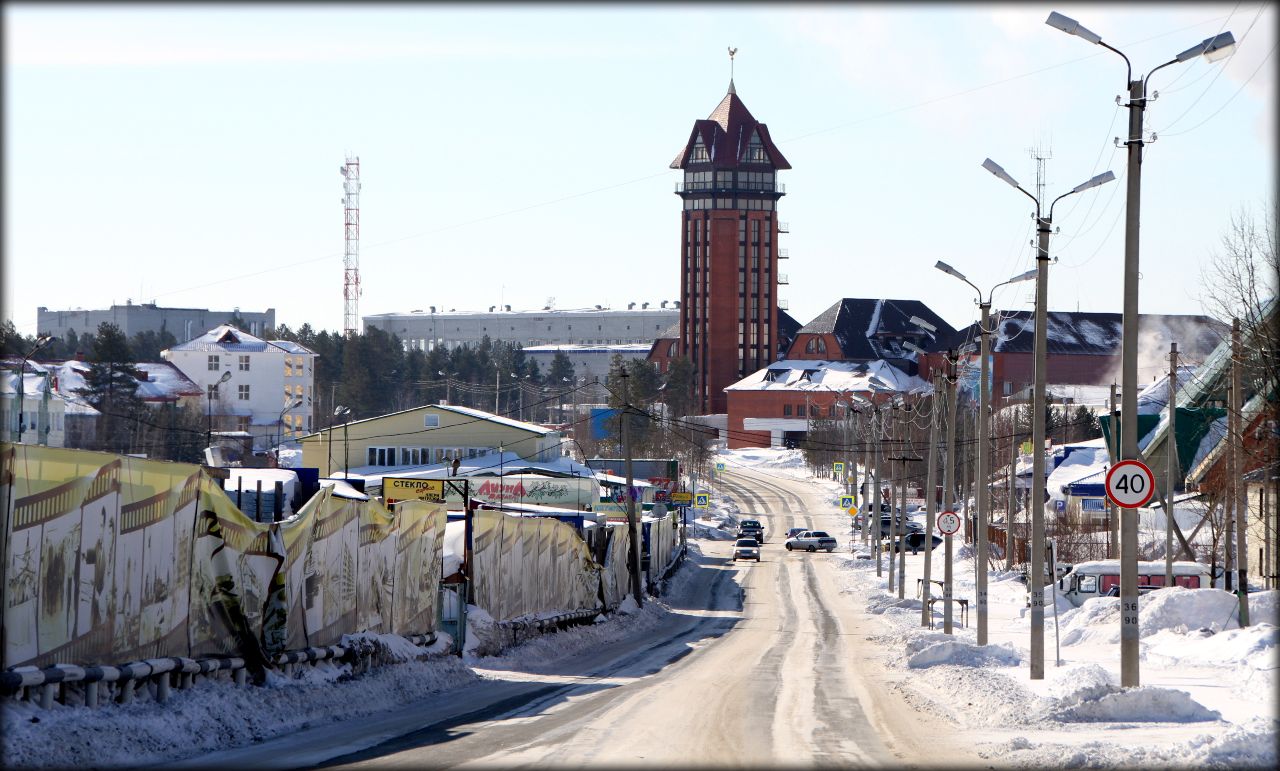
[[908, 526], [751, 528], [746, 549], [811, 540], [915, 542]]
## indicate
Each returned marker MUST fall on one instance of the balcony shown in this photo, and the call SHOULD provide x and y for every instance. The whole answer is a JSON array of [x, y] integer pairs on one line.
[[782, 279], [730, 188], [784, 227], [783, 254]]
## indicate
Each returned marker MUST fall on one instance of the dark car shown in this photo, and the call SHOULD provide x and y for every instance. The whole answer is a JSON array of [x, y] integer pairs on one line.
[[915, 542], [907, 526], [751, 528]]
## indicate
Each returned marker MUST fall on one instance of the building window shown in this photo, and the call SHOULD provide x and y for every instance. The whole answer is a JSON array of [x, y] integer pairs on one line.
[[244, 393], [430, 421], [786, 410], [244, 363], [1007, 387], [381, 456], [214, 362], [212, 393]]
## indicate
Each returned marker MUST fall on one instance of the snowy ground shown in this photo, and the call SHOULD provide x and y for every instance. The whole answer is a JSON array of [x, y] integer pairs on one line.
[[1208, 694]]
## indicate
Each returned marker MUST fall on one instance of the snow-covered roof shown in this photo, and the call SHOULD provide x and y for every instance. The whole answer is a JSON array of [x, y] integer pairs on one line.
[[832, 376], [582, 348], [492, 418], [509, 463], [228, 339], [1080, 462]]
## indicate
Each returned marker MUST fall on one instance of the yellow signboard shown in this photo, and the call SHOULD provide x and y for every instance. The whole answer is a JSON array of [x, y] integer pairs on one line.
[[399, 489], [681, 497]]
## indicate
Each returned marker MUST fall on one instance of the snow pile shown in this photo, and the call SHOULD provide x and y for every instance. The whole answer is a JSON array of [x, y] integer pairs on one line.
[[965, 654], [1142, 704], [1175, 608], [214, 715], [383, 648], [1264, 607]]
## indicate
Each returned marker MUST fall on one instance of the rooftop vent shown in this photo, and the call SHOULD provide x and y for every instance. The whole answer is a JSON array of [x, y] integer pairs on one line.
[[644, 306], [631, 306], [599, 307], [664, 303], [508, 307], [433, 309], [491, 308], [677, 302]]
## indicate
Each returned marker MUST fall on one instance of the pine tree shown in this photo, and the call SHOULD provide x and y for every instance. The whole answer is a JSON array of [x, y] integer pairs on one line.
[[111, 388]]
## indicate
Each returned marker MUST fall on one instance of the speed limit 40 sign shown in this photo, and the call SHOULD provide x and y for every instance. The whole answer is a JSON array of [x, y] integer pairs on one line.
[[1130, 484]]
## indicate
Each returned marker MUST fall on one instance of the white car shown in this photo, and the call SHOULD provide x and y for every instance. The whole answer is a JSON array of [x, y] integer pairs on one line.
[[811, 540], [746, 549]]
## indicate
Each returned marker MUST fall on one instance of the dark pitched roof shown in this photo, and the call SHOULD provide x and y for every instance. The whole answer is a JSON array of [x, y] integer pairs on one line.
[[726, 134], [1087, 332], [869, 329], [787, 328]]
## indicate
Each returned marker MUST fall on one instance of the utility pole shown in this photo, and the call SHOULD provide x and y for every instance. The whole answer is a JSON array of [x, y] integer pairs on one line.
[[931, 498], [1012, 502], [1172, 475], [877, 427], [948, 500], [895, 425], [901, 527], [984, 467], [632, 521], [1241, 500], [1113, 513]]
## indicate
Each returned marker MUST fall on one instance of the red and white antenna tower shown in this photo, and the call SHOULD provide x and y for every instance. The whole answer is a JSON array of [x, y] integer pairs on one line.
[[351, 254]]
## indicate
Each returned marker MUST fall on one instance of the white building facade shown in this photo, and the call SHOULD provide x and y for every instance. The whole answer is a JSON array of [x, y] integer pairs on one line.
[[268, 388]]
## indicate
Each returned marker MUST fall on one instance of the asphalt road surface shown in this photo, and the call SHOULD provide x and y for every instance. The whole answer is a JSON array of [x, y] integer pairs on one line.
[[767, 664]]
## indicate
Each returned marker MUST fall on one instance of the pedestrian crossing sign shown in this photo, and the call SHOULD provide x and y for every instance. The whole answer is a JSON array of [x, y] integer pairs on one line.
[[701, 500], [838, 468], [719, 467], [846, 501]]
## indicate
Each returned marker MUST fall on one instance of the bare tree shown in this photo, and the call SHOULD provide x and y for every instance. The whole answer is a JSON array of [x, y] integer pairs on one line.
[[1241, 281]]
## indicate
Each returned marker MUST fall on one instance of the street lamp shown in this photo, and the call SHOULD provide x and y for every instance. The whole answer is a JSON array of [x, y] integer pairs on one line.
[[297, 402], [1217, 47], [984, 436], [1035, 567], [213, 389], [344, 412], [41, 342]]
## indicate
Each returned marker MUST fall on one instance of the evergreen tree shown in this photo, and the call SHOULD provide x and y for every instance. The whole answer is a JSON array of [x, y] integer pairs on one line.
[[561, 369], [111, 387]]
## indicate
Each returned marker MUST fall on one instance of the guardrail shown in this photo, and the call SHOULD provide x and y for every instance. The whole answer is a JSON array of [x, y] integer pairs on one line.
[[160, 676]]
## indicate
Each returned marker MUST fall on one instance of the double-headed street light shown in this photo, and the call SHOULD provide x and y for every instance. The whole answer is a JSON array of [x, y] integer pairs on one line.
[[984, 436], [345, 414], [1217, 47], [294, 404], [1035, 567], [213, 389]]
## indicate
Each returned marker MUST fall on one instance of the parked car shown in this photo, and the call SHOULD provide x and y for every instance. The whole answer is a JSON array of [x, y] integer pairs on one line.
[[908, 526], [915, 542], [751, 528], [747, 549], [811, 540]]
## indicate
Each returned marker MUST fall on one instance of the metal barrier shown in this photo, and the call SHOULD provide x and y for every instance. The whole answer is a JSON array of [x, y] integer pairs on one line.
[[48, 685]]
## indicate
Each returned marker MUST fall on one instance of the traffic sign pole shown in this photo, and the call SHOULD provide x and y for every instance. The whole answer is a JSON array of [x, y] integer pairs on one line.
[[949, 524]]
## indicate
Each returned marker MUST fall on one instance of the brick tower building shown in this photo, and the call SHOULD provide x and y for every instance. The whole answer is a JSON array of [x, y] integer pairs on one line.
[[728, 249]]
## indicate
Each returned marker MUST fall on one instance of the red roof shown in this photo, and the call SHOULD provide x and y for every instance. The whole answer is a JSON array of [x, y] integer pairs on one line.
[[726, 134]]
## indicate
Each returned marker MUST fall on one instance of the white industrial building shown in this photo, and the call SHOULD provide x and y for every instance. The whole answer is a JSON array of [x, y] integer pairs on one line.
[[639, 323], [269, 385]]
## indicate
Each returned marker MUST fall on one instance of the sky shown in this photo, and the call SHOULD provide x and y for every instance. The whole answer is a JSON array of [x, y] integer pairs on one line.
[[189, 155]]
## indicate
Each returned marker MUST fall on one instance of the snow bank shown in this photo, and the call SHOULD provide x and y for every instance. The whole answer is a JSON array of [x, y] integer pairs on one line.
[[964, 654], [384, 648], [1174, 608], [1145, 704]]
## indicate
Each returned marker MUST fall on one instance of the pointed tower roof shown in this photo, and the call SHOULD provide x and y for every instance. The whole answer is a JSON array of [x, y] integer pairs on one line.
[[726, 133]]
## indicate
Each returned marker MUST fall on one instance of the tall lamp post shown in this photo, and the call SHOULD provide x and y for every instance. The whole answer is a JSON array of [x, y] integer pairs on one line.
[[344, 413], [41, 342], [1035, 567], [984, 436], [1217, 47], [295, 403], [213, 389]]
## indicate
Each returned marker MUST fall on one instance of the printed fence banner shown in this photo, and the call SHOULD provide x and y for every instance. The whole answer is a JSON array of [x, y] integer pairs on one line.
[[109, 559], [565, 492], [529, 565], [96, 555], [615, 573]]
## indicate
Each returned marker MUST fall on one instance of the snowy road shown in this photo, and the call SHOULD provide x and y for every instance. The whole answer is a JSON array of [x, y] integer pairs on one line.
[[756, 664]]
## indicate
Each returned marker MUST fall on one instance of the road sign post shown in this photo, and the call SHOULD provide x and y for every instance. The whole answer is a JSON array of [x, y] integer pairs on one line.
[[949, 525]]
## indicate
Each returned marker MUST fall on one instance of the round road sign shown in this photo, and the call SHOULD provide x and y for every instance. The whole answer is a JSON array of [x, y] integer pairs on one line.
[[949, 522], [1130, 484]]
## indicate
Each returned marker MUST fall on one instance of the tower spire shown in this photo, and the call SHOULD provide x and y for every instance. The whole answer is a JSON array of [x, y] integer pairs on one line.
[[732, 51]]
